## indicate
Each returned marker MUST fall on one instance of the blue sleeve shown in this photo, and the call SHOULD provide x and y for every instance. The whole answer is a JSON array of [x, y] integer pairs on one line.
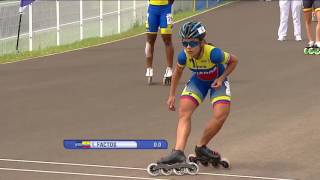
[[182, 58], [217, 56]]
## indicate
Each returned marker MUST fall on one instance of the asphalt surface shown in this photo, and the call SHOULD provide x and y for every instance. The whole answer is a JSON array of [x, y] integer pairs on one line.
[[101, 93]]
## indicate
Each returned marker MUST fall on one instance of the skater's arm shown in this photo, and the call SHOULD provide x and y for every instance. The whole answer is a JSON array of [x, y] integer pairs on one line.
[[231, 65], [182, 59], [174, 83], [175, 79]]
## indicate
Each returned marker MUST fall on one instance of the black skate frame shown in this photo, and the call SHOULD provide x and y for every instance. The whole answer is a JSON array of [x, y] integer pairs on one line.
[[173, 166]]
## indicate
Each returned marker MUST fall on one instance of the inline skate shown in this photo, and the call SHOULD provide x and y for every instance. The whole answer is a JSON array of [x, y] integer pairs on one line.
[[167, 76], [174, 163], [149, 75], [312, 49], [204, 156]]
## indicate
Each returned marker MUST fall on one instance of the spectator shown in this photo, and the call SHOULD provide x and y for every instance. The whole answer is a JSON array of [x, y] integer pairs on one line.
[[285, 6]]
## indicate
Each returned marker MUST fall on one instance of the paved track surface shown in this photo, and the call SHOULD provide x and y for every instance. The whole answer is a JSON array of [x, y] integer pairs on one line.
[[101, 93]]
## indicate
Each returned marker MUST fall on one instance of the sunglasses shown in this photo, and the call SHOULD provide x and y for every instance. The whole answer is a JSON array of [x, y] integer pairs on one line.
[[190, 43]]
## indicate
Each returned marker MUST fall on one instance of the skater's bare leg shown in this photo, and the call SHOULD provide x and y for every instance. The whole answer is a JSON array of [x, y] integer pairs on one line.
[[169, 49], [220, 114], [318, 27], [308, 19], [151, 39], [186, 109]]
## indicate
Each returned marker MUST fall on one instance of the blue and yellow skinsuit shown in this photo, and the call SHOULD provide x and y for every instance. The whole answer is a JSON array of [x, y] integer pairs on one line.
[[159, 15], [205, 70], [308, 5]]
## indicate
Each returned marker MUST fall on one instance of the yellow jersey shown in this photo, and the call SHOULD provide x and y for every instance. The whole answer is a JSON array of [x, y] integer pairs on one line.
[[160, 2], [209, 66]]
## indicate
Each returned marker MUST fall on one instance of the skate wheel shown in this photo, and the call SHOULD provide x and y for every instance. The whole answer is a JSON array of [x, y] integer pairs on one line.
[[225, 163], [215, 164], [317, 52], [169, 81], [305, 51], [179, 171], [166, 81], [311, 51], [166, 172], [149, 80], [193, 170], [152, 169]]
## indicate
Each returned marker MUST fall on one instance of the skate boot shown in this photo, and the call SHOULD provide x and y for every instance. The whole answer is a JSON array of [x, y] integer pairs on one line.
[[149, 75], [309, 49], [317, 48], [174, 163], [205, 156], [167, 76]]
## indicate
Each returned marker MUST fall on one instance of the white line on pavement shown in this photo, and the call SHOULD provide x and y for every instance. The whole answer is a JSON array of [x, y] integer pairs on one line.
[[241, 176], [133, 168], [72, 164], [75, 173]]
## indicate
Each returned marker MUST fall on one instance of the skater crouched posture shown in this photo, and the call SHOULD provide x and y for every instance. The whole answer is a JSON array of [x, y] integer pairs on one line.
[[210, 66]]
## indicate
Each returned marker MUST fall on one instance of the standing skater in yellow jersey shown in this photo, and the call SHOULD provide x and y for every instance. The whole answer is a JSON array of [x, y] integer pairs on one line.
[[308, 5], [159, 16]]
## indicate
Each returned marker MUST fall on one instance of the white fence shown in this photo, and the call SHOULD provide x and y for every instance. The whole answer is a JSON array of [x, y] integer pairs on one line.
[[57, 22]]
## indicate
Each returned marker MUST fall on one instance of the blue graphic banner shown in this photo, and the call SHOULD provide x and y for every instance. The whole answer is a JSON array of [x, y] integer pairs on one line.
[[115, 144]]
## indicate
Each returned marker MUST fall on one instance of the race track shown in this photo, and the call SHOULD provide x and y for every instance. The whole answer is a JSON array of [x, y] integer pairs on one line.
[[101, 93]]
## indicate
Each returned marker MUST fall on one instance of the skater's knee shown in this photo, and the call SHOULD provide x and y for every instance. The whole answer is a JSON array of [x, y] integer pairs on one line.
[[308, 23], [167, 41], [221, 117], [184, 114], [185, 120]]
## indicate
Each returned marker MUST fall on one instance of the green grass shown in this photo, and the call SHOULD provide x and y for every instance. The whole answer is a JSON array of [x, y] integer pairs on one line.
[[137, 29]]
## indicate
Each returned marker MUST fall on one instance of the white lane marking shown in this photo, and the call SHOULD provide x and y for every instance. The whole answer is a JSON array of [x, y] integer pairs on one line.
[[132, 168], [75, 173], [72, 164], [41, 56], [242, 176]]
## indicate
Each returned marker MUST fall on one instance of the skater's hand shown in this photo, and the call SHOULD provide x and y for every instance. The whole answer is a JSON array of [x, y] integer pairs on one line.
[[217, 83], [171, 102]]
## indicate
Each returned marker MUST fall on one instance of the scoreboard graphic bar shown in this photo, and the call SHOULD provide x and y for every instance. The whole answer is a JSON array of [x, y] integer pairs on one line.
[[115, 144]]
